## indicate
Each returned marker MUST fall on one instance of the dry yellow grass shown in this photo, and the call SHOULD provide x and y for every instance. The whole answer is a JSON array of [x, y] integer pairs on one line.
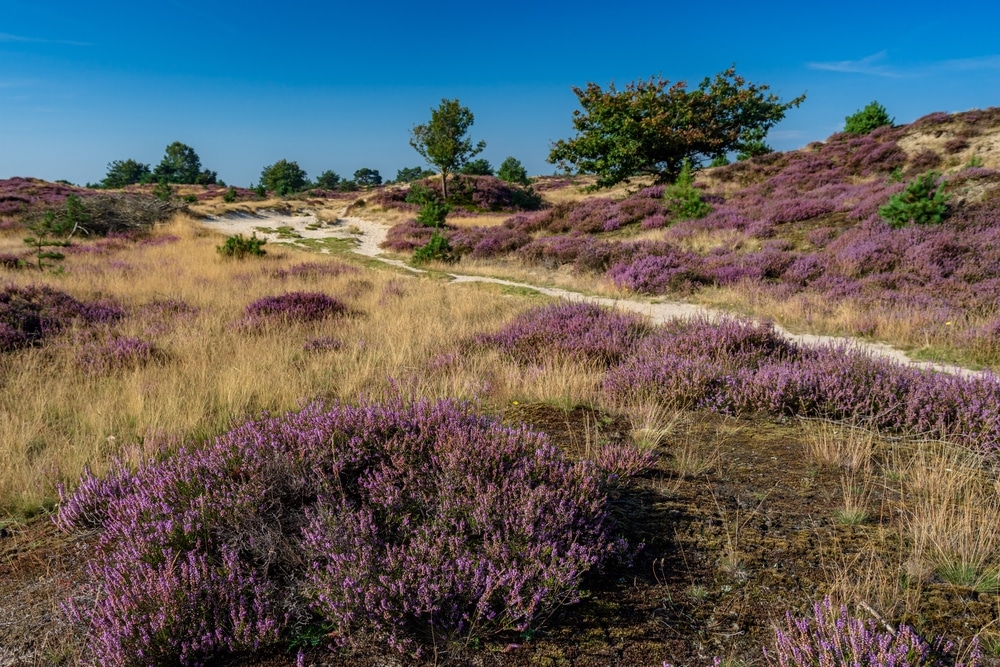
[[55, 419]]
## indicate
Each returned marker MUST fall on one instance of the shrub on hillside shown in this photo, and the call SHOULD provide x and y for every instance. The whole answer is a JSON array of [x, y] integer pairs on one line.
[[922, 202], [453, 526], [864, 121]]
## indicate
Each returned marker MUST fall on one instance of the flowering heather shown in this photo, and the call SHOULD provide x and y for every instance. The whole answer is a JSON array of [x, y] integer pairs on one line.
[[832, 636], [322, 344], [411, 523], [620, 462], [314, 270], [674, 270], [580, 331], [30, 314], [738, 367], [117, 353], [292, 307], [408, 236]]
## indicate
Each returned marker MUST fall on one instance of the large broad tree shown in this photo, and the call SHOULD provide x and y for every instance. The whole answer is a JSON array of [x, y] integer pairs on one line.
[[180, 164], [443, 141], [652, 127]]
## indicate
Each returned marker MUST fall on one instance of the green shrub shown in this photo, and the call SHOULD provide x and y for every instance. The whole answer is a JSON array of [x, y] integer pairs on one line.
[[239, 247], [190, 199], [230, 196], [163, 191], [683, 199], [865, 120], [512, 171], [922, 202], [437, 249]]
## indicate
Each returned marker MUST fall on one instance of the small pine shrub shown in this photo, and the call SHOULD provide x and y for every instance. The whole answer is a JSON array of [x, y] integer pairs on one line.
[[437, 249], [683, 200], [163, 191], [433, 213], [868, 119], [230, 196], [239, 247], [922, 202]]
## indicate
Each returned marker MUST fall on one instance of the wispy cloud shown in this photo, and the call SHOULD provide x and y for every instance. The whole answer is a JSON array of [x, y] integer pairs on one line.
[[868, 65], [7, 37], [874, 65]]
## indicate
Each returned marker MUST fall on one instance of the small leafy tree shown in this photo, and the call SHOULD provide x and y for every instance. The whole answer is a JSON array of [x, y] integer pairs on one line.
[[180, 164], [443, 141], [922, 202], [683, 199], [651, 126], [126, 172], [283, 177], [478, 167], [367, 178], [863, 121], [512, 171], [328, 180]]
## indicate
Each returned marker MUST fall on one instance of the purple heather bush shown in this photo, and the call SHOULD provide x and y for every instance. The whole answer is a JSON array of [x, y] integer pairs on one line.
[[579, 331], [407, 236], [291, 307], [30, 314], [620, 462], [832, 636], [115, 354], [402, 523], [737, 367], [315, 270]]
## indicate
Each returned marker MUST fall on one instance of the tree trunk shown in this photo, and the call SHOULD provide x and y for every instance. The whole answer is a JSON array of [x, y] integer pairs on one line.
[[444, 184]]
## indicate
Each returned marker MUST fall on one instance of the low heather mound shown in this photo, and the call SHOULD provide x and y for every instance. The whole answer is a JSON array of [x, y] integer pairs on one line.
[[403, 524]]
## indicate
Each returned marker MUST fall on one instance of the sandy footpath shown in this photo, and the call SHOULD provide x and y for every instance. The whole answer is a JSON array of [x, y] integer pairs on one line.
[[369, 236]]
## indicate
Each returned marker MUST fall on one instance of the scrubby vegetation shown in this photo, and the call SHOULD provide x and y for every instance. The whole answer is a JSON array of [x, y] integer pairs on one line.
[[308, 460]]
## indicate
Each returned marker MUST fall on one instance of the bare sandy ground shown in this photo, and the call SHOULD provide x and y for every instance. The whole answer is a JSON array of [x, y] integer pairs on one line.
[[369, 236]]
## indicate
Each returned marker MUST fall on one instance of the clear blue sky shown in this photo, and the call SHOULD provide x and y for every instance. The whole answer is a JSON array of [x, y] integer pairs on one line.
[[336, 85]]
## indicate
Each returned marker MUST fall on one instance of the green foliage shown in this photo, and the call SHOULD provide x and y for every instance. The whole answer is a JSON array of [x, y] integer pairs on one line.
[[437, 249], [651, 127], [410, 174], [432, 211], [512, 171], [53, 230], [753, 145], [478, 167], [180, 164], [230, 196], [240, 247], [974, 161], [328, 180], [367, 178], [190, 199], [922, 202], [347, 186], [865, 120], [126, 172], [443, 141], [259, 190], [162, 190], [719, 161], [283, 177], [683, 199]]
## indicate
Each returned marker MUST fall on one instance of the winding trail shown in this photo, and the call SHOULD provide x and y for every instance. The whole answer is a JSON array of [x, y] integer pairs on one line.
[[369, 236]]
